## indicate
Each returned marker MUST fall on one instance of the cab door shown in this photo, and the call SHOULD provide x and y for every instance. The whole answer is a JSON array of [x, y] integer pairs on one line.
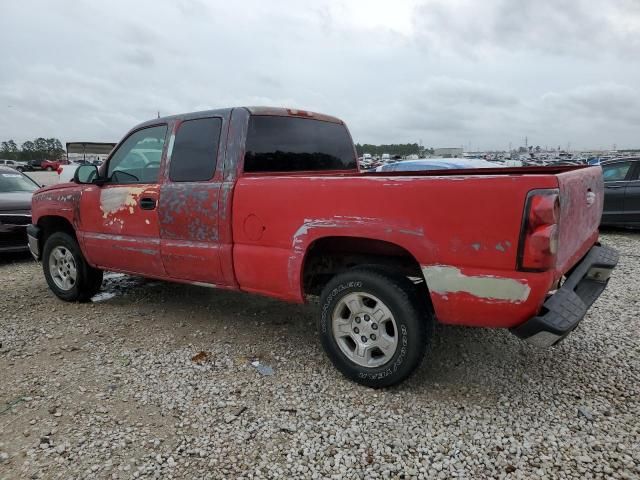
[[189, 197], [615, 177], [118, 221], [632, 197]]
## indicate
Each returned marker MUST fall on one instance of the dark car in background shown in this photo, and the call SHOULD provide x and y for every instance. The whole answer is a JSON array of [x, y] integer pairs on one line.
[[16, 191], [621, 192]]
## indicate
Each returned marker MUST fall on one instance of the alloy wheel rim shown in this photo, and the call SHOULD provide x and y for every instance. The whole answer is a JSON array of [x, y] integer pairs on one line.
[[365, 329], [62, 267]]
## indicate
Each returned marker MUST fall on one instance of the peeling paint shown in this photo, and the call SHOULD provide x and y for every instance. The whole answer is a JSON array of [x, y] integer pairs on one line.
[[204, 284], [119, 198], [189, 211], [145, 251], [445, 279], [418, 233], [475, 246]]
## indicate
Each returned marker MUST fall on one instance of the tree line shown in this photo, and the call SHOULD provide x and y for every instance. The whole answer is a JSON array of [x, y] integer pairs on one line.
[[402, 149], [36, 149]]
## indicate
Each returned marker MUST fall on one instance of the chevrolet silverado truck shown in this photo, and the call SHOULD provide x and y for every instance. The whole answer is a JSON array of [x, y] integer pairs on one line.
[[271, 201]]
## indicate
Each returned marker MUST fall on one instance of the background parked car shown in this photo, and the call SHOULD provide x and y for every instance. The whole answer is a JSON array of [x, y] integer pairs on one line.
[[35, 163], [621, 192], [51, 165], [66, 172], [16, 165], [16, 190], [435, 164]]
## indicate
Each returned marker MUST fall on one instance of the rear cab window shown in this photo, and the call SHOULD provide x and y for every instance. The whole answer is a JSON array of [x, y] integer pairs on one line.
[[195, 150], [290, 144]]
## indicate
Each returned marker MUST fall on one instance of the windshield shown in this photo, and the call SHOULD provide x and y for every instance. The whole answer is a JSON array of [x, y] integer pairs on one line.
[[16, 182]]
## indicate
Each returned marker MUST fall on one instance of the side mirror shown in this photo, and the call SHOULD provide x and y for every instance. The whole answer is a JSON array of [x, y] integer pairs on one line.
[[85, 174]]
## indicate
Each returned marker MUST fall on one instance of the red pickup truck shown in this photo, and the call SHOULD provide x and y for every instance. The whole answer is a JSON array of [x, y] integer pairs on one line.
[[271, 201], [51, 165]]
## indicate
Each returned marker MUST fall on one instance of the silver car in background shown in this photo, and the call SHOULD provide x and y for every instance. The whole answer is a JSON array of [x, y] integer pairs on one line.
[[16, 191]]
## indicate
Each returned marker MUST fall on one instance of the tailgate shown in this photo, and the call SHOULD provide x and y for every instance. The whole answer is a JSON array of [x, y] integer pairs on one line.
[[581, 199]]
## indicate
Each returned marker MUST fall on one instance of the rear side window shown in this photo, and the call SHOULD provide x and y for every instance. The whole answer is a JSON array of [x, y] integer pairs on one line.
[[195, 150], [286, 144], [616, 171]]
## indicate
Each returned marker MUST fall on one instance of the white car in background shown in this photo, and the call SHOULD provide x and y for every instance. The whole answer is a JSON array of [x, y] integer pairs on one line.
[[66, 172], [16, 165]]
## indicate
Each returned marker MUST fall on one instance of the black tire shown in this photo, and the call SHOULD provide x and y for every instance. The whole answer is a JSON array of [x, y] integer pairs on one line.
[[20, 169], [88, 279], [410, 311]]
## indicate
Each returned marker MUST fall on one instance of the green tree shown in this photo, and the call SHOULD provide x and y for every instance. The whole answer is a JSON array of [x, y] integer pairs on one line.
[[28, 151], [9, 150], [40, 147], [54, 149]]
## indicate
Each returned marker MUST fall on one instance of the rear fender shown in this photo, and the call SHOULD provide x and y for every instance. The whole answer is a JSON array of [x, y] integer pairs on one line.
[[411, 239]]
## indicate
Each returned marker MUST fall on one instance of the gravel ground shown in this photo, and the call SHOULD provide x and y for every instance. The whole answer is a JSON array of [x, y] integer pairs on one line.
[[161, 380]]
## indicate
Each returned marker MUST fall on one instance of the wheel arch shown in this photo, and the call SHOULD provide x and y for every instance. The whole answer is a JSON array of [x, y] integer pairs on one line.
[[328, 256], [50, 224]]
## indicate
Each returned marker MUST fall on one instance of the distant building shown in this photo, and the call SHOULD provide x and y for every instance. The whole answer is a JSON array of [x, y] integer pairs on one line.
[[448, 152]]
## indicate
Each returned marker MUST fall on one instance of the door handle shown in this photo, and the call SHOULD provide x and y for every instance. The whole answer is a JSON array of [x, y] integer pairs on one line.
[[614, 186], [147, 203]]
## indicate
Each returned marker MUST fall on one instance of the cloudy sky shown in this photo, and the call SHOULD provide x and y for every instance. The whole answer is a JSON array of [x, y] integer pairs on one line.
[[481, 74]]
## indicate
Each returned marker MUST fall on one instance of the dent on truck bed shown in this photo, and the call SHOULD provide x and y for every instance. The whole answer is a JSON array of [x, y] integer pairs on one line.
[[443, 279]]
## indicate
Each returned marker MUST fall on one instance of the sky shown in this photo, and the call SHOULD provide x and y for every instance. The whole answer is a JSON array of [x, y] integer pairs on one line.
[[478, 74]]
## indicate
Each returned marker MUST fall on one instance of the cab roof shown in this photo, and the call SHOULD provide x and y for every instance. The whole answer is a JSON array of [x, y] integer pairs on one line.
[[267, 111]]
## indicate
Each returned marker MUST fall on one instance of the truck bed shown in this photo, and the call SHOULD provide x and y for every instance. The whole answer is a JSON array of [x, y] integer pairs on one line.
[[469, 221], [546, 170]]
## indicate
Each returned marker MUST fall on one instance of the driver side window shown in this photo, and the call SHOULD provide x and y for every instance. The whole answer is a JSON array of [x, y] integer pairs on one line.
[[138, 158]]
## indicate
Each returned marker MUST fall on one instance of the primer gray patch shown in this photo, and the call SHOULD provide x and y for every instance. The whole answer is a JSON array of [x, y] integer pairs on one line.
[[445, 279]]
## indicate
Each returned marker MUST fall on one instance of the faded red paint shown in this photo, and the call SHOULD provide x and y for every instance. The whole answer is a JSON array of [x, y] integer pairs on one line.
[[254, 232], [577, 214]]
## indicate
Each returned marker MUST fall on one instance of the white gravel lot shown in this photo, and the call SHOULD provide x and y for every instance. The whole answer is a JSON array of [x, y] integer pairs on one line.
[[109, 390]]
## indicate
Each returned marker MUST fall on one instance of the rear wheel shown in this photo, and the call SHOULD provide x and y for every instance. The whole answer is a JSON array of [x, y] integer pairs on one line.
[[374, 326], [66, 271]]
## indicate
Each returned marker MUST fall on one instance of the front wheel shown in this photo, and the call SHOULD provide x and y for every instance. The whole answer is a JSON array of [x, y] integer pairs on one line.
[[49, 169], [66, 271], [374, 326]]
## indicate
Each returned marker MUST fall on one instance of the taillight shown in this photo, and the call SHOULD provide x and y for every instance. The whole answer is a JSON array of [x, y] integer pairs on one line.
[[539, 234]]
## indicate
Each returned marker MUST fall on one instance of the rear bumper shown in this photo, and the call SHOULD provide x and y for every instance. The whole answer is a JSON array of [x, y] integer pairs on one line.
[[33, 237], [563, 311]]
